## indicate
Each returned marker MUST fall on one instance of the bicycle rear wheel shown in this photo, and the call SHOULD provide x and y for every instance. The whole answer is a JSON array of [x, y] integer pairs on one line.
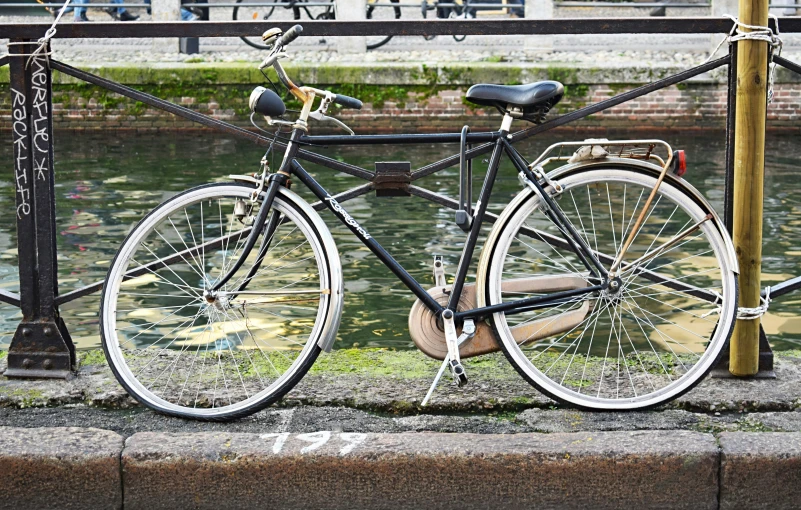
[[637, 347], [183, 349]]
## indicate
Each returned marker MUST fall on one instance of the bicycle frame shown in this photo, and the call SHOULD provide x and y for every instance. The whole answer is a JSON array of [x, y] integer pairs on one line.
[[291, 167]]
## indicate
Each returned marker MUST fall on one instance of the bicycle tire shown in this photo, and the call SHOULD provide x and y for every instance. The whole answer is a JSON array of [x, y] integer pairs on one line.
[[219, 344], [534, 359]]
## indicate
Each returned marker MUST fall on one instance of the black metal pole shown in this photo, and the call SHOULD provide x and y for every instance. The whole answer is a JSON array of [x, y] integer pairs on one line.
[[41, 346]]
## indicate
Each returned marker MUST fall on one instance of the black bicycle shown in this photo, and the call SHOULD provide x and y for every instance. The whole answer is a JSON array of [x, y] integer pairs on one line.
[[608, 282], [313, 9]]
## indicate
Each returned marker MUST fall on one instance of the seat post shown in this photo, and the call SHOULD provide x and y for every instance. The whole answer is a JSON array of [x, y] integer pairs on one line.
[[511, 113]]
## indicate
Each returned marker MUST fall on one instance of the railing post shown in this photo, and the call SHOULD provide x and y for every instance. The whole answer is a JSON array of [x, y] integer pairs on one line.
[[351, 10], [539, 9], [41, 346], [749, 163], [165, 10]]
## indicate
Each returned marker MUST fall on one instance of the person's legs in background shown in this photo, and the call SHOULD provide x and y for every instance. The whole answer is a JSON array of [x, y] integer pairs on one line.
[[80, 12], [120, 13]]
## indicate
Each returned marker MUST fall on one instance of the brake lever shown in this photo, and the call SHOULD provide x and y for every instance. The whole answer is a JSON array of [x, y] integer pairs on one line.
[[319, 116], [320, 113]]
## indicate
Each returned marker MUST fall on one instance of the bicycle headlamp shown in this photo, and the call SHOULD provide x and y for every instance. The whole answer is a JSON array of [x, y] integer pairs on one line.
[[266, 102]]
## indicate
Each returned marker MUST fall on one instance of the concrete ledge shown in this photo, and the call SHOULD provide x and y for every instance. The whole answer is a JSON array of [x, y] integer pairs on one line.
[[760, 470], [396, 381], [60, 468], [675, 469]]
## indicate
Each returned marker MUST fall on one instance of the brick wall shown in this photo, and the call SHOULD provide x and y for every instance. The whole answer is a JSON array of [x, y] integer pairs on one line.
[[690, 105]]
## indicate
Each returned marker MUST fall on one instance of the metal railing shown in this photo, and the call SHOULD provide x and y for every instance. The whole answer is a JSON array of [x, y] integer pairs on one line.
[[41, 346]]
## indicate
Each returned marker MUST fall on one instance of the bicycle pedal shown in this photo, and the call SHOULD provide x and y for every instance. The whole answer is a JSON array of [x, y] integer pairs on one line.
[[439, 271], [458, 373]]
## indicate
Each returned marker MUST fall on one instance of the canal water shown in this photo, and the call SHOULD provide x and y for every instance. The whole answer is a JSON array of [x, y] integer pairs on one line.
[[106, 183]]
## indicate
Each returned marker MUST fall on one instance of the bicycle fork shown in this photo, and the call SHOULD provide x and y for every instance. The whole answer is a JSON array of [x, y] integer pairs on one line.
[[276, 181]]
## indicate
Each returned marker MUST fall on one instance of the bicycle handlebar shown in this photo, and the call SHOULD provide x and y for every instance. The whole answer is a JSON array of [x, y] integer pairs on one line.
[[348, 102], [290, 35]]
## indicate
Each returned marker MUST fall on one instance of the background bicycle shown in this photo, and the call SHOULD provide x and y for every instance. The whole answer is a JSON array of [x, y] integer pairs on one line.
[[311, 9]]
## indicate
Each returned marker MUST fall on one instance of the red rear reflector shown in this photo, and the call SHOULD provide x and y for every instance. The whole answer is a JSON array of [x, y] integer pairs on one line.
[[681, 163]]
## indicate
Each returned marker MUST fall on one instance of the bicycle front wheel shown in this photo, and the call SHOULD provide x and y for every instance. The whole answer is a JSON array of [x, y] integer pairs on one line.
[[181, 347], [648, 341]]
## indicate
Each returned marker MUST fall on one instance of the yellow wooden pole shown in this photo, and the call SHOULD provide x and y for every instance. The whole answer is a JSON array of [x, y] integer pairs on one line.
[[749, 169]]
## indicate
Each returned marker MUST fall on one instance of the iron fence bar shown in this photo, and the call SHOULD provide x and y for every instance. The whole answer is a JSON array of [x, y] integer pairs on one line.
[[146, 6], [450, 161], [333, 164], [315, 28], [23, 176], [158, 103], [564, 244], [731, 102], [787, 64], [783, 288], [626, 4], [156, 264], [9, 298], [286, 4], [205, 119], [215, 243], [60, 5], [399, 139], [620, 98], [41, 345], [346, 195], [575, 115]]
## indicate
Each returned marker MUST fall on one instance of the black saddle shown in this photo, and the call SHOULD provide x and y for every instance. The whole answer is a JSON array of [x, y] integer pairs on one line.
[[535, 99]]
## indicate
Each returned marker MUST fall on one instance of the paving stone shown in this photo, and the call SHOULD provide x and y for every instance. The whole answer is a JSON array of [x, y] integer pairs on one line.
[[775, 421], [61, 468], [760, 470], [568, 420], [675, 469]]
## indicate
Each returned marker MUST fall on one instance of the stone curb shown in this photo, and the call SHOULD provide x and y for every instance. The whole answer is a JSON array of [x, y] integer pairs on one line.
[[760, 470], [421, 470], [61, 468], [92, 468]]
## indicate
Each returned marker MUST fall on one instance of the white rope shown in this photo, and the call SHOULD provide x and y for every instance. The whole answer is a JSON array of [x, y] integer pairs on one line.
[[757, 33], [747, 314], [42, 50]]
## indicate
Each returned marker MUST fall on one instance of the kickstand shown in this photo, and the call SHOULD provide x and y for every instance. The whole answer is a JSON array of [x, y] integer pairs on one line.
[[436, 380], [468, 330]]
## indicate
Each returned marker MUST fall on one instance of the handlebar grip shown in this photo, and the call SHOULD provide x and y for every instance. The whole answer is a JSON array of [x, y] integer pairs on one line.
[[348, 102], [290, 35]]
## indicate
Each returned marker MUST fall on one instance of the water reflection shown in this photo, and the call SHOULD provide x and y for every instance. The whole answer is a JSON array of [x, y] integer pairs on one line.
[[104, 184]]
